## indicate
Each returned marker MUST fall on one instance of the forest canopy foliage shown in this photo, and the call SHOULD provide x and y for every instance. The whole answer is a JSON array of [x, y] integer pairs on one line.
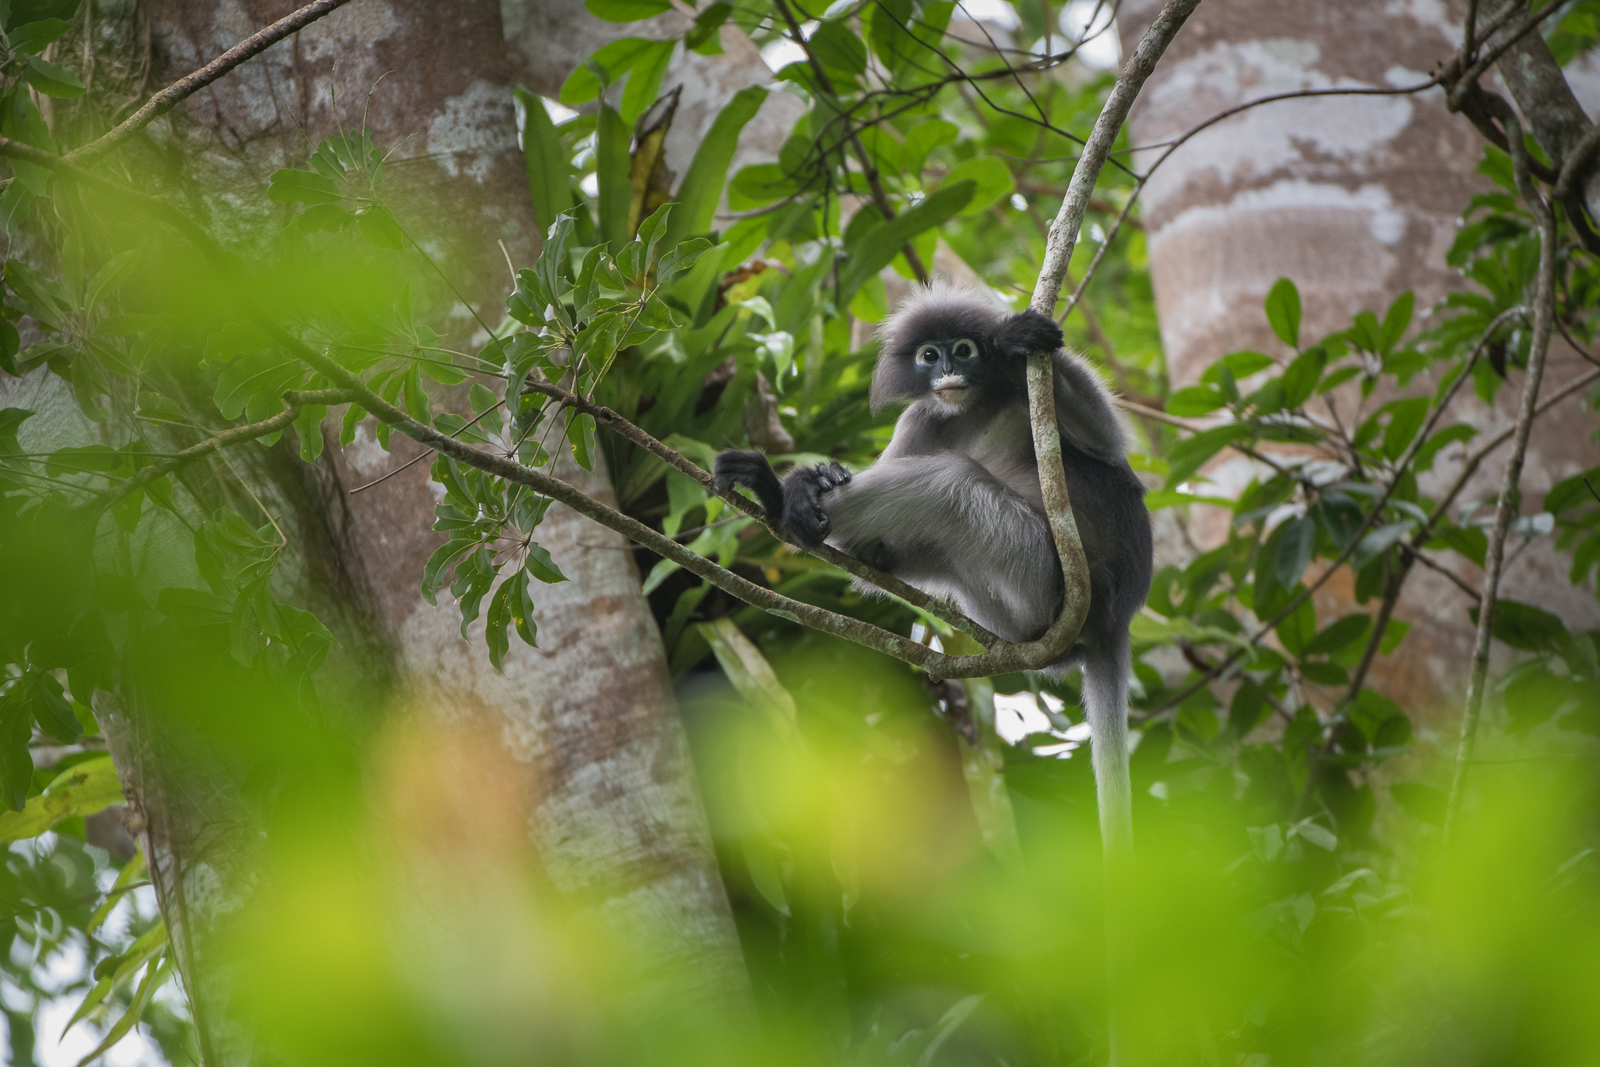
[[910, 886]]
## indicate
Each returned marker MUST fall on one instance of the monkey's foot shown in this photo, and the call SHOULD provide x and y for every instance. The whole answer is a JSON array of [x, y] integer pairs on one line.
[[1027, 333]]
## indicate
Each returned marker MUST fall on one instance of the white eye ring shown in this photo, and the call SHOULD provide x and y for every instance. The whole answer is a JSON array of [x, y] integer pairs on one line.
[[928, 354], [965, 350]]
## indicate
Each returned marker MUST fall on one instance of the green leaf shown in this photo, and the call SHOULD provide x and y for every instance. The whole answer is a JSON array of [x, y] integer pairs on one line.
[[52, 80], [33, 37], [83, 789], [1339, 635], [703, 36], [924, 138], [1300, 380], [627, 10], [48, 703], [1405, 419], [1195, 400], [378, 226], [838, 48], [1283, 311], [887, 239], [580, 433], [614, 60], [154, 976], [1298, 629], [289, 186], [1292, 545], [992, 181], [444, 557], [541, 566], [1397, 320], [611, 169], [498, 618], [1526, 627], [113, 971], [549, 171], [644, 80], [1188, 455]]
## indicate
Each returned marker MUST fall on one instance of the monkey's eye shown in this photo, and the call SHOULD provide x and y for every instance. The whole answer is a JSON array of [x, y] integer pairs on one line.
[[928, 354], [965, 350]]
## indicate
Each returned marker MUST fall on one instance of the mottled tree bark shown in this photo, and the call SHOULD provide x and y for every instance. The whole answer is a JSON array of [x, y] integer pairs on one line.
[[1354, 198], [589, 716]]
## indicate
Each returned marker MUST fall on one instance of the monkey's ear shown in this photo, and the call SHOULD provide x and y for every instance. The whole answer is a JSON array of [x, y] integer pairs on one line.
[[1023, 334]]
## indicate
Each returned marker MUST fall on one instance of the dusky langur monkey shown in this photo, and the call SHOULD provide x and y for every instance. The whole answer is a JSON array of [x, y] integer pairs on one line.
[[954, 506]]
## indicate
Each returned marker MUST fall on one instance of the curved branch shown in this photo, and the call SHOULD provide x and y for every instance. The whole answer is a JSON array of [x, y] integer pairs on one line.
[[1063, 236]]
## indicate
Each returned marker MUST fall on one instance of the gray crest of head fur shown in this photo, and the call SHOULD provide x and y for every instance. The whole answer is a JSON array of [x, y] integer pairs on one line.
[[935, 311]]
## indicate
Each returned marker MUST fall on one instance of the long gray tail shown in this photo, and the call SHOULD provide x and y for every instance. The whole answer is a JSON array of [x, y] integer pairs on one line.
[[1105, 700]]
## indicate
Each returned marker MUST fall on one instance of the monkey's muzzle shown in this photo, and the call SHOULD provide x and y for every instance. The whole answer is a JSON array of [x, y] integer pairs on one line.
[[950, 389]]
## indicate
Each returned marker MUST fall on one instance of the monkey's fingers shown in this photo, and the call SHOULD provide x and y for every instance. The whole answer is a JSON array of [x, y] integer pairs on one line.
[[1027, 333]]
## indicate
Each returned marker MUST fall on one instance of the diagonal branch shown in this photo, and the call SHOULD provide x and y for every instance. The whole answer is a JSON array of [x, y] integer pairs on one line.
[[168, 98]]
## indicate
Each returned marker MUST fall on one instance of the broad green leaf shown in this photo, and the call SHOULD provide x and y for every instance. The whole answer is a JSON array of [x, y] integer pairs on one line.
[[1340, 634], [549, 171], [704, 36], [33, 37], [1195, 400], [1525, 627], [1397, 320], [614, 59], [701, 189], [1283, 311], [1405, 419], [580, 433], [887, 239], [616, 190], [1188, 455], [837, 48], [1292, 545], [1300, 380], [52, 80], [113, 971], [541, 566], [992, 181], [644, 80], [289, 186], [83, 789], [380, 227], [924, 138]]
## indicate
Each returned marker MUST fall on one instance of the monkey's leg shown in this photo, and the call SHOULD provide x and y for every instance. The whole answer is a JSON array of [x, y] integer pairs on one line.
[[944, 524]]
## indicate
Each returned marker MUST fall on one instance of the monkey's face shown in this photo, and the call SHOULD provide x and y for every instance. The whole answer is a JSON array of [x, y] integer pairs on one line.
[[949, 369]]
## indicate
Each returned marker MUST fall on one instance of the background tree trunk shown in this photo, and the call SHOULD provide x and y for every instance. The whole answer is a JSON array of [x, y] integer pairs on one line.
[[1355, 199], [588, 718]]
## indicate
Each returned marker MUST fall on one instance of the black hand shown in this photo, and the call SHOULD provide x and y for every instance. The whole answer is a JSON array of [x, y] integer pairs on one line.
[[803, 517], [750, 469], [1024, 334]]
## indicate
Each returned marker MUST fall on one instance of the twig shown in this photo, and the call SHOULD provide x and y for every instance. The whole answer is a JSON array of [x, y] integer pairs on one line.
[[169, 97], [1506, 508], [414, 460], [1367, 524], [874, 182]]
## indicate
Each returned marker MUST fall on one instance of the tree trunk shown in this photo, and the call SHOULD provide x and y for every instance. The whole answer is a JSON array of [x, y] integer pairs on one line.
[[588, 718], [1355, 199]]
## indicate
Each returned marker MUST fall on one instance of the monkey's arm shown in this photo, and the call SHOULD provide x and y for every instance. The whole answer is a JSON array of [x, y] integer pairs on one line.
[[794, 503], [1025, 333]]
